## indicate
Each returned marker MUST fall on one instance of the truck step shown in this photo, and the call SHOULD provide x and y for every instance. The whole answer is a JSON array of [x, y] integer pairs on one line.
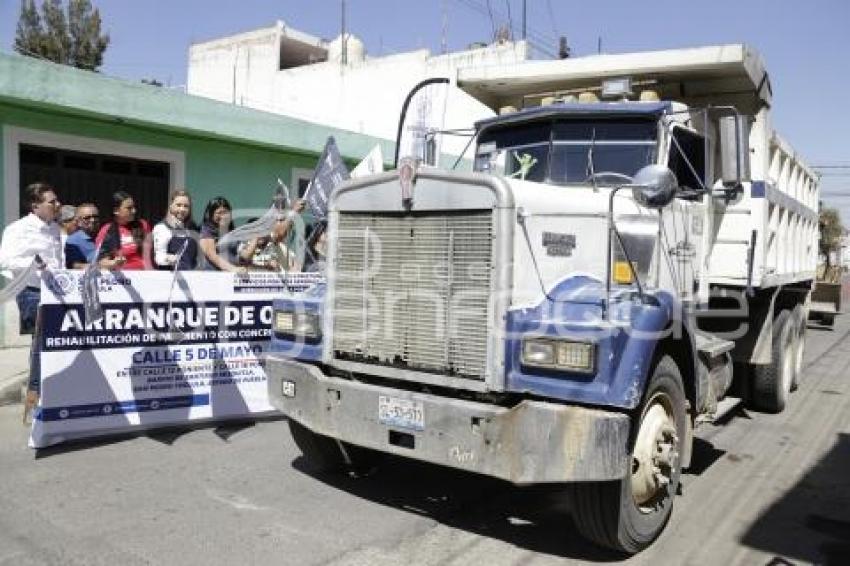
[[712, 345], [725, 409]]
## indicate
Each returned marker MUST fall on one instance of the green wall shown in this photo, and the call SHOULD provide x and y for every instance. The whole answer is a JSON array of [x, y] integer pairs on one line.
[[246, 175]]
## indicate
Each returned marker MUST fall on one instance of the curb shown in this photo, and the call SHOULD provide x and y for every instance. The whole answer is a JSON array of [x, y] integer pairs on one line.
[[12, 388]]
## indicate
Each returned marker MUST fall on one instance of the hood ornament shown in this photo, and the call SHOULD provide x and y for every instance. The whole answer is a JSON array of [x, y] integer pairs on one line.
[[406, 178]]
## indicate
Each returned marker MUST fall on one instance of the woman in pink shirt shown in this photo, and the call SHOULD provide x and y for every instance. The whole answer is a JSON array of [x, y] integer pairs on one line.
[[125, 242]]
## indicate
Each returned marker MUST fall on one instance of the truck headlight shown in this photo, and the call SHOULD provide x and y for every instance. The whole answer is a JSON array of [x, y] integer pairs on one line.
[[297, 324], [557, 354], [284, 322]]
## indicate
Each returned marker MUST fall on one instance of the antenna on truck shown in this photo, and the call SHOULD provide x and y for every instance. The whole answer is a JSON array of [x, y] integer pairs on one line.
[[403, 115]]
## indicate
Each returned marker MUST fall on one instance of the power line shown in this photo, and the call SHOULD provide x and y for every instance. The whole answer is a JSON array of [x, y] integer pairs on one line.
[[537, 39], [552, 17], [492, 20], [537, 34]]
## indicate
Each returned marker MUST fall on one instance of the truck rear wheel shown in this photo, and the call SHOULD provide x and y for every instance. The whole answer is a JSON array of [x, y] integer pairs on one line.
[[325, 454], [772, 382], [628, 514]]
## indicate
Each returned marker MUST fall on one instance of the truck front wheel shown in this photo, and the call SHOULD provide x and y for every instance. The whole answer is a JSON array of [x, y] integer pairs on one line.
[[325, 454], [627, 515]]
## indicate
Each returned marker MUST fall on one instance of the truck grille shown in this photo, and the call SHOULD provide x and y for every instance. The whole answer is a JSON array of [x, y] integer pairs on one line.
[[422, 302]]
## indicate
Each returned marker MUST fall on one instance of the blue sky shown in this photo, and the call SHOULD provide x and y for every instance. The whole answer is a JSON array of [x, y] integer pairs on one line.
[[806, 45]]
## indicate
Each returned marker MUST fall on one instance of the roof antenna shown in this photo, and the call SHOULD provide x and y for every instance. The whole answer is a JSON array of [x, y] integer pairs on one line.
[[443, 43], [510, 20], [563, 48], [524, 14], [342, 38]]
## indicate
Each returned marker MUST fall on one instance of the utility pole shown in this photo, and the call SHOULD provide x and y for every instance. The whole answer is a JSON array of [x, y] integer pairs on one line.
[[235, 65], [342, 37], [443, 41], [524, 12]]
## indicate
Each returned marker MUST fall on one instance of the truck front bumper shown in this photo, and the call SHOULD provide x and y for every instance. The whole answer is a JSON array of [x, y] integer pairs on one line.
[[531, 442]]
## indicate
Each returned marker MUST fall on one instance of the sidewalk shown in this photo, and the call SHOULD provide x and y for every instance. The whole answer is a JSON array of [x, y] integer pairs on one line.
[[14, 366]]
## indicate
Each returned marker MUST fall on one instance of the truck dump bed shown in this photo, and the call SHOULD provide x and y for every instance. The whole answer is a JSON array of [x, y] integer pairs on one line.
[[773, 223], [776, 216]]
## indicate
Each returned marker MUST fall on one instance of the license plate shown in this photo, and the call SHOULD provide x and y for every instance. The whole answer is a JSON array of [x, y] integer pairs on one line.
[[403, 413]]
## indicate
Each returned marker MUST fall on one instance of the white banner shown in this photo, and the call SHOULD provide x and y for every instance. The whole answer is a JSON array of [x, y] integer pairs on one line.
[[372, 164], [161, 355]]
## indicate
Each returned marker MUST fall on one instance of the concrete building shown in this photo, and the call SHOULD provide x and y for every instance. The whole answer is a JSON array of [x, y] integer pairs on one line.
[[90, 135], [282, 70]]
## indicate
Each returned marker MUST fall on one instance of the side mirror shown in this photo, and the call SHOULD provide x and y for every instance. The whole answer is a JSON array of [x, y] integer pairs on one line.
[[654, 186], [734, 132]]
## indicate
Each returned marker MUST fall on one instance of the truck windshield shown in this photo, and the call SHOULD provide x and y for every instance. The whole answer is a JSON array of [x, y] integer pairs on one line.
[[568, 151]]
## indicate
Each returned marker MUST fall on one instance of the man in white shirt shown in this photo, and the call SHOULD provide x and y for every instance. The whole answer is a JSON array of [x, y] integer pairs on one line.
[[35, 234]]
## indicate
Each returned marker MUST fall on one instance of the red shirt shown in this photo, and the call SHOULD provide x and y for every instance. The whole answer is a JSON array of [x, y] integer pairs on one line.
[[136, 258]]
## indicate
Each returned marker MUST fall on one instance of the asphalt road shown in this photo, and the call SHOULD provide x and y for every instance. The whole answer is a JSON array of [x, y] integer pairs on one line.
[[764, 489]]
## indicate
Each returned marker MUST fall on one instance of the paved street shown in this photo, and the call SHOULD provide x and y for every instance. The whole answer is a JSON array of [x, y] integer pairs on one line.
[[765, 489]]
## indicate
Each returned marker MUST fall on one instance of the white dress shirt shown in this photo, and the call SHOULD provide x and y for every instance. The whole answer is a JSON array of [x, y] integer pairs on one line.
[[23, 239], [161, 236]]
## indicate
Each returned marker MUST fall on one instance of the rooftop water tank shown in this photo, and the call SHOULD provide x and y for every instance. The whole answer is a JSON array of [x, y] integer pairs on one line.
[[356, 51]]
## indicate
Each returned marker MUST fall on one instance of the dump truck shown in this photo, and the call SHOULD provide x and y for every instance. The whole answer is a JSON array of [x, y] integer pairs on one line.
[[634, 245], [826, 300]]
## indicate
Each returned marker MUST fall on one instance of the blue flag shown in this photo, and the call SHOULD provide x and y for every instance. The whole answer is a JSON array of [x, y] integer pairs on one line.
[[330, 172]]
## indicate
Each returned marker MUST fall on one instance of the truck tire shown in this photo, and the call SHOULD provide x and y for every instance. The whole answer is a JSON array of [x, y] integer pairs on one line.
[[772, 382], [325, 454], [627, 515], [801, 323]]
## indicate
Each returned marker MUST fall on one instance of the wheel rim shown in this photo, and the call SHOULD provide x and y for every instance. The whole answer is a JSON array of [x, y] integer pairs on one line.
[[655, 459]]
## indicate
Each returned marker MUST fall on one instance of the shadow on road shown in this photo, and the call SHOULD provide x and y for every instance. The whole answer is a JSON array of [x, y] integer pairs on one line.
[[166, 435], [82, 444], [703, 457], [533, 518], [811, 522]]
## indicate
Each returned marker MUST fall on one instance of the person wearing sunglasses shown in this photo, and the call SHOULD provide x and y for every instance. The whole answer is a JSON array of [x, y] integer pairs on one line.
[[80, 246]]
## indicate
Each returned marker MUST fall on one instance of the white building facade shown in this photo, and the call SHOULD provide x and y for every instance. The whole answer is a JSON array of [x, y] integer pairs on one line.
[[284, 71]]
